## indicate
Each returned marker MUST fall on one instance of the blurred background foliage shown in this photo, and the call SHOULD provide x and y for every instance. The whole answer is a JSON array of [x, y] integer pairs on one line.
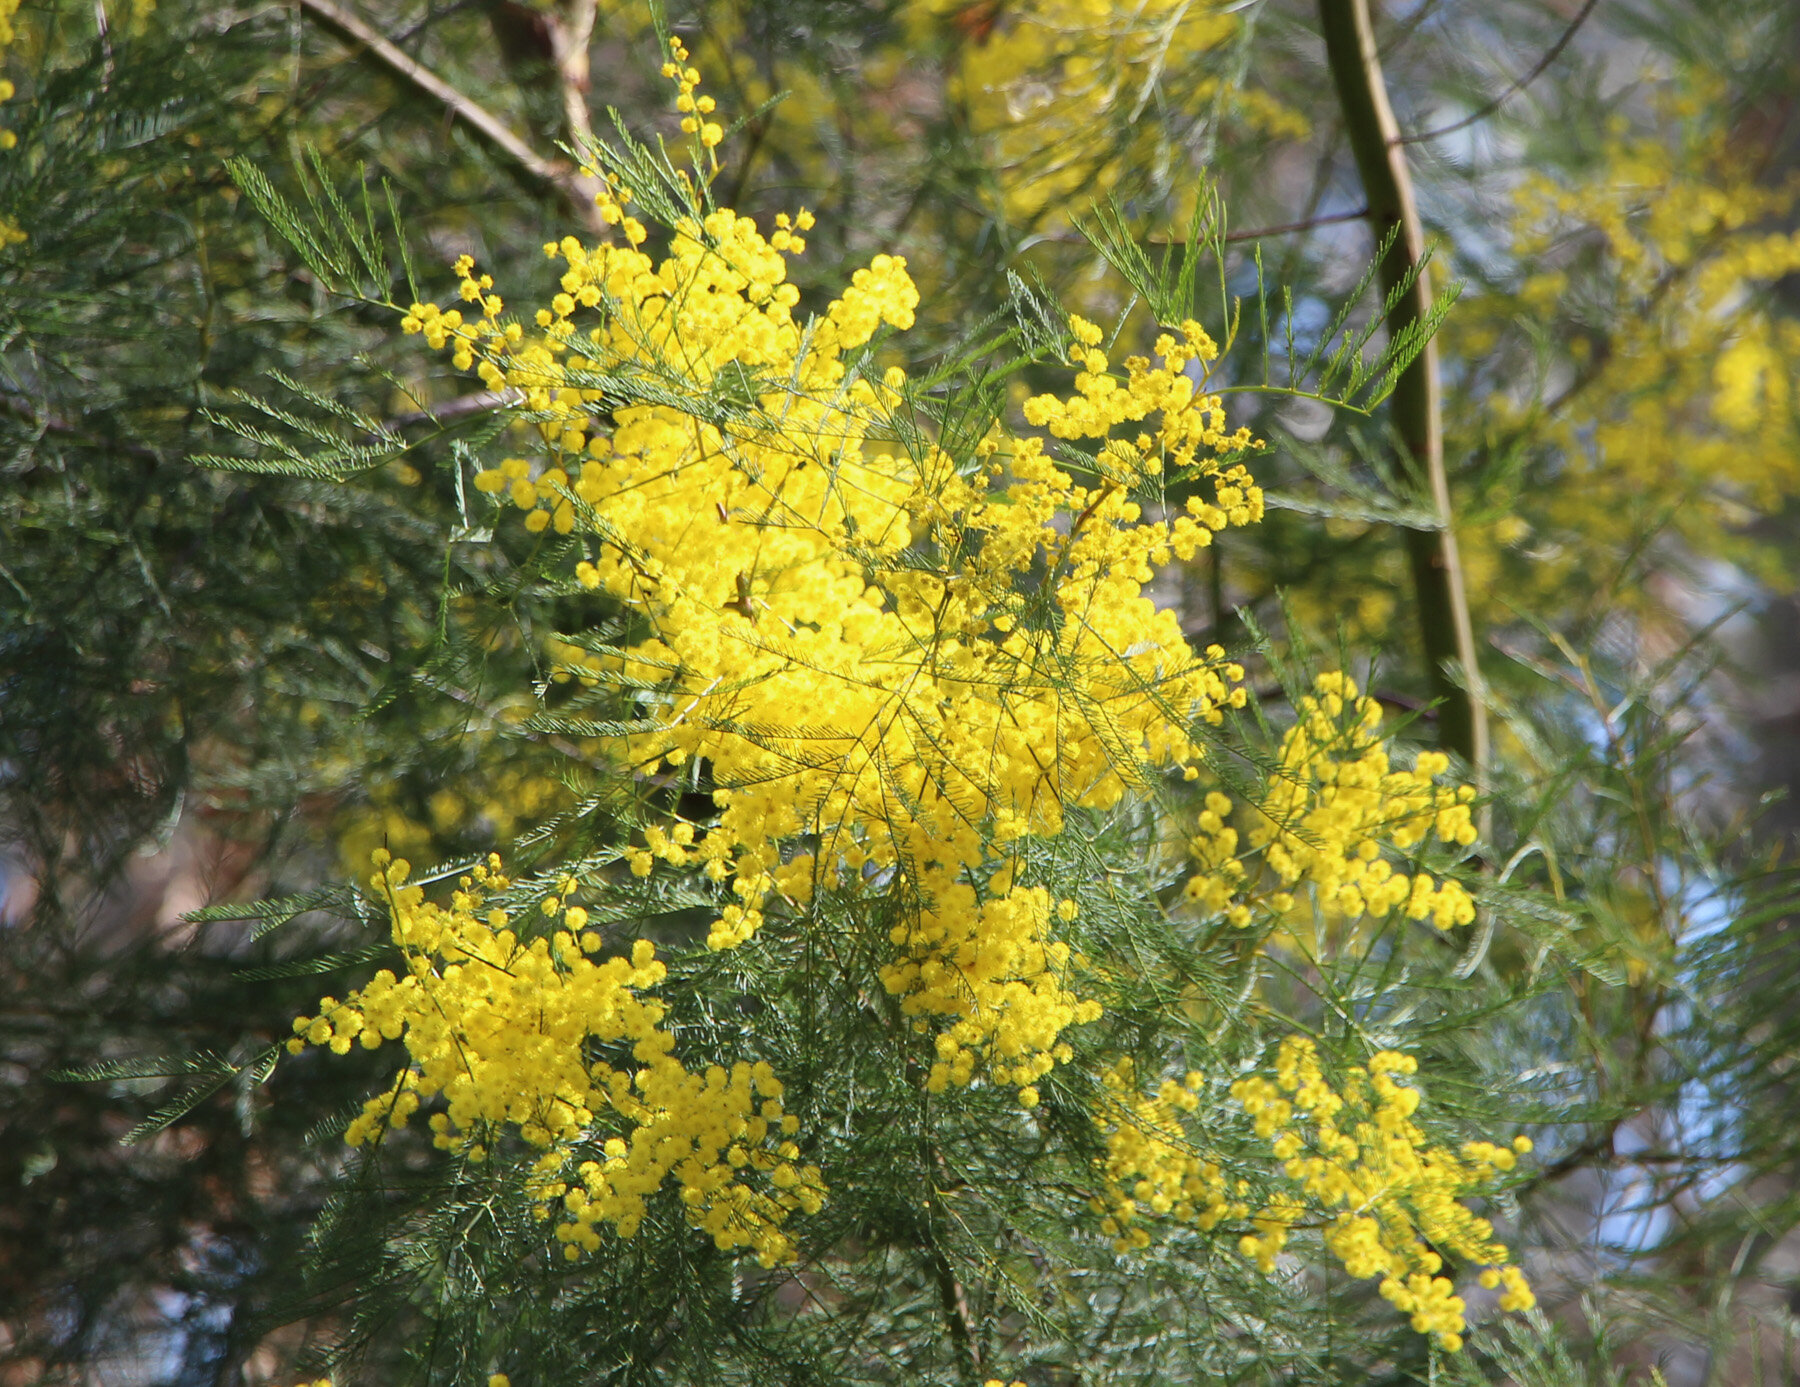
[[219, 686]]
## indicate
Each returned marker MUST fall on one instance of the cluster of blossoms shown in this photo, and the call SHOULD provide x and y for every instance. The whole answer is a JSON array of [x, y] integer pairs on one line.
[[897, 664], [1151, 1167], [766, 516], [1351, 1155], [694, 109], [1189, 428], [499, 1028], [1354, 1153], [1333, 802]]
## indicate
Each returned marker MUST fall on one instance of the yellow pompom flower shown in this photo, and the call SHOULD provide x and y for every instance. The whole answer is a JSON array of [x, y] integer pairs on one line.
[[495, 1026]]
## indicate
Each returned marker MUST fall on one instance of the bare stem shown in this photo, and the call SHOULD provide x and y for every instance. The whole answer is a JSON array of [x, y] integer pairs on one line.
[[1375, 140]]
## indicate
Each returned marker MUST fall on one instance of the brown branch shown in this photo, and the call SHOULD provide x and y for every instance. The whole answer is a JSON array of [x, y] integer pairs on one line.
[[496, 131], [1330, 219], [481, 402], [1254, 234], [1514, 87], [1417, 408], [954, 1302]]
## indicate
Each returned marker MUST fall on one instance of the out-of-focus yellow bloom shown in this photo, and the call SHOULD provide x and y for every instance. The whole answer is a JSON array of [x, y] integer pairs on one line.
[[1675, 407], [1069, 96]]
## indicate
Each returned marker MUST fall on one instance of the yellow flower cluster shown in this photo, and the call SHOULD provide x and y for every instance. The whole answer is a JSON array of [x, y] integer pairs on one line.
[[708, 1131], [10, 232], [899, 658], [1681, 412], [8, 36], [694, 109], [1215, 886], [1151, 1167], [847, 623], [1191, 427], [1354, 1153], [1070, 95], [1333, 802], [499, 1029], [988, 966]]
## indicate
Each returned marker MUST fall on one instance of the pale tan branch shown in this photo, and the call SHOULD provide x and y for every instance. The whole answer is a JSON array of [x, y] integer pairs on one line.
[[570, 40], [495, 130]]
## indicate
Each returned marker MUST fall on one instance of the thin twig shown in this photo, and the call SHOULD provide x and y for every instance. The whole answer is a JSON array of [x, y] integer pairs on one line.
[[495, 723], [103, 28], [1516, 86], [1331, 219], [481, 402], [1254, 234], [478, 116]]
